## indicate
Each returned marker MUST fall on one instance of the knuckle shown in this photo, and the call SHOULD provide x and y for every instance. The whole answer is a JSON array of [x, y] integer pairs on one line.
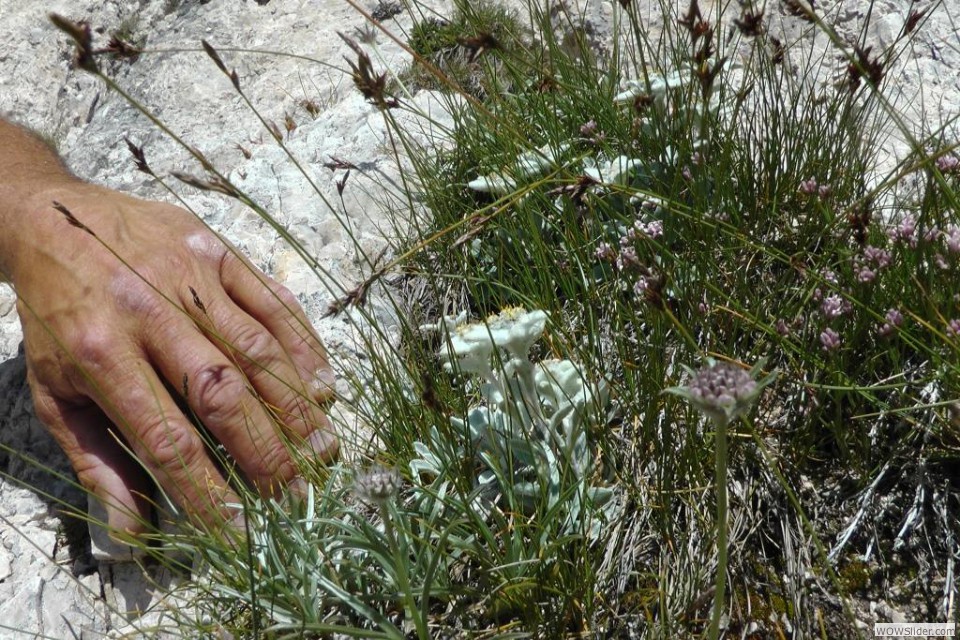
[[204, 245], [282, 300], [133, 293], [93, 356], [94, 345], [272, 464], [168, 441], [220, 390], [255, 344]]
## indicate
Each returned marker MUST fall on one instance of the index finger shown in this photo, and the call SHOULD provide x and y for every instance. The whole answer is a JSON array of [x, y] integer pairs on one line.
[[278, 309]]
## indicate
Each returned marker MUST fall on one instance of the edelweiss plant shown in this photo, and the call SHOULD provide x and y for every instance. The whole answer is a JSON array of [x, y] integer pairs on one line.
[[529, 435]]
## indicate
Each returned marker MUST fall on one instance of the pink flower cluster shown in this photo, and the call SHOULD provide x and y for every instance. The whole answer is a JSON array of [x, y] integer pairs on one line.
[[893, 319], [834, 306], [813, 188], [948, 163], [953, 329], [626, 258], [830, 340], [869, 262], [905, 231]]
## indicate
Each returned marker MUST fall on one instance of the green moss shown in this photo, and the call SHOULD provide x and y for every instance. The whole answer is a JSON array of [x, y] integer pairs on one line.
[[780, 605], [855, 576]]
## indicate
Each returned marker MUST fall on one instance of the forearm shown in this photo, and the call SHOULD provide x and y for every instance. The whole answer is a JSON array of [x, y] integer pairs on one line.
[[28, 168]]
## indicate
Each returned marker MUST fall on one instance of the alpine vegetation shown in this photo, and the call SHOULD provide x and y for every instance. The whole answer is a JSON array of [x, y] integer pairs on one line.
[[528, 435], [708, 186]]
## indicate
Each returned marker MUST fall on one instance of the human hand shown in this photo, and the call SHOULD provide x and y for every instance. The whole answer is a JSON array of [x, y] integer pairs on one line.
[[154, 309]]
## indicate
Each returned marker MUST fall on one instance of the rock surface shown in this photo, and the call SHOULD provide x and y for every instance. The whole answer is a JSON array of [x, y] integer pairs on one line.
[[49, 583]]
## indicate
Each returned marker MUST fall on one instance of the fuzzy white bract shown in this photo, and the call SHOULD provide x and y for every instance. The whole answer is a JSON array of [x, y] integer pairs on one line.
[[530, 425]]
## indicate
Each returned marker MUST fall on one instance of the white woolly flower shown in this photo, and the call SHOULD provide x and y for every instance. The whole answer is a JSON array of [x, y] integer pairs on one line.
[[472, 346], [515, 329]]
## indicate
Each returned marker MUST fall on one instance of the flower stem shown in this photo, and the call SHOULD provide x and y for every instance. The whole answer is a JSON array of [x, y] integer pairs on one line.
[[720, 472]]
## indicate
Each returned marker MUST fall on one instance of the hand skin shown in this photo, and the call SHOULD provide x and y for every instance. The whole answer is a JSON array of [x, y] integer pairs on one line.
[[111, 329]]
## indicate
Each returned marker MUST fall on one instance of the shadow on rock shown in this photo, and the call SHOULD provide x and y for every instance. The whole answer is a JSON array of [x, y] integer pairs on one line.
[[31, 459]]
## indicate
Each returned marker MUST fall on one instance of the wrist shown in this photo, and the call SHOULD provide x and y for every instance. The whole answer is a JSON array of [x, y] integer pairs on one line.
[[28, 167], [29, 222]]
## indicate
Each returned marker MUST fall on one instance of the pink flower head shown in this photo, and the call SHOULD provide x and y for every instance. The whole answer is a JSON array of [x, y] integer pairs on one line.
[[809, 187], [947, 163], [640, 287], [605, 252], [893, 320], [953, 328], [905, 231], [834, 306], [830, 340], [652, 229], [627, 258], [876, 256], [952, 237], [865, 274], [782, 327]]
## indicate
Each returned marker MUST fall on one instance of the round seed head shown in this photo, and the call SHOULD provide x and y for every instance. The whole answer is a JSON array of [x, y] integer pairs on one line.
[[377, 485], [722, 391]]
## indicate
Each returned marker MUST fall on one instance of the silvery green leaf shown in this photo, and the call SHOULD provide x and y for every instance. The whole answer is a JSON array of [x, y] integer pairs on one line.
[[529, 489], [533, 163], [599, 496], [427, 462], [523, 452], [497, 184], [602, 393], [492, 394], [657, 88], [557, 423], [478, 421], [528, 494], [580, 458], [573, 511]]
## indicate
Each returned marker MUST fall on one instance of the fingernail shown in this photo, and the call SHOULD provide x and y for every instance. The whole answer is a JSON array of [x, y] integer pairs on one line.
[[324, 444], [324, 383], [236, 524], [299, 487], [104, 547]]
